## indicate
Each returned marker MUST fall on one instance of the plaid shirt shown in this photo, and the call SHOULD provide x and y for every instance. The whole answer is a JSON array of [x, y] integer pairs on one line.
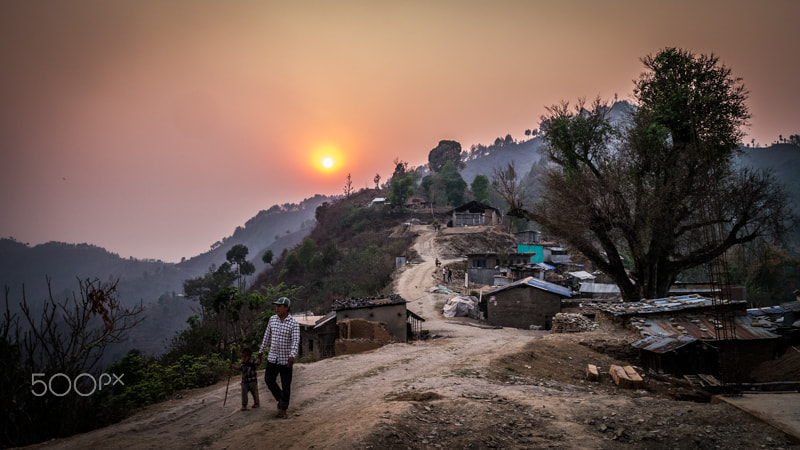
[[249, 369], [282, 338]]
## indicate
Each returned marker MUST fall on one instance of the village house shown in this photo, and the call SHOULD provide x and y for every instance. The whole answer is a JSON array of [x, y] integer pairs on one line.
[[317, 335], [390, 311], [473, 214], [692, 334], [417, 202], [528, 236], [556, 255], [499, 269], [525, 303]]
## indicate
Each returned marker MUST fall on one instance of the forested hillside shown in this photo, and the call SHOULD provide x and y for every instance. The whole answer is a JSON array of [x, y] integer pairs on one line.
[[157, 285]]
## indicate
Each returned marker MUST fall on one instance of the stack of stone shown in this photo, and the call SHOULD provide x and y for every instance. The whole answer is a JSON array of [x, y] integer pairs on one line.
[[572, 323]]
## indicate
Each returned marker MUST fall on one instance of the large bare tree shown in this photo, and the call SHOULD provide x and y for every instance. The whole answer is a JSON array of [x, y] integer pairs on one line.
[[661, 194]]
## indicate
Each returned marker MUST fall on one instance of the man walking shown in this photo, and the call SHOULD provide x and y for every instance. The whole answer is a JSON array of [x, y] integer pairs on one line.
[[282, 338]]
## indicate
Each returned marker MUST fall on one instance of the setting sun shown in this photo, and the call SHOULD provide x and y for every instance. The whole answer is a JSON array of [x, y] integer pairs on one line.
[[327, 158]]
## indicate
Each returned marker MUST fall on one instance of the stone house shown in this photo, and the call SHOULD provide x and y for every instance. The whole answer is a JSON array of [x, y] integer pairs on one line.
[[390, 311]]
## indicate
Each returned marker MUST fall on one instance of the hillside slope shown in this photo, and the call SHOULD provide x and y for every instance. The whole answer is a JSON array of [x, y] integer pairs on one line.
[[156, 284], [470, 386]]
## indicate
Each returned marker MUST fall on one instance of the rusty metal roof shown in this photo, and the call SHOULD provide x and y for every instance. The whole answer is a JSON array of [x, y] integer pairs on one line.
[[701, 327], [663, 344], [660, 305]]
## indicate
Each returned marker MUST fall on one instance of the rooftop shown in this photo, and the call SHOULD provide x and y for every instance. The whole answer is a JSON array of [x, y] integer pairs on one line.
[[366, 302], [538, 284], [658, 305]]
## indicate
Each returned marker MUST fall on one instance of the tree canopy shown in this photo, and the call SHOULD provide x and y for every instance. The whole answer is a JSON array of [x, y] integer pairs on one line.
[[446, 187], [480, 188], [444, 152], [659, 195]]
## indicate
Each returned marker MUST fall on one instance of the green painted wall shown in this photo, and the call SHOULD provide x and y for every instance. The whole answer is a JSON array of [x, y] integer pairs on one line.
[[538, 249]]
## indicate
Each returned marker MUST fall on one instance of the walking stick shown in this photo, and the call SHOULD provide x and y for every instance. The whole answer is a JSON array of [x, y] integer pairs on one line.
[[229, 382]]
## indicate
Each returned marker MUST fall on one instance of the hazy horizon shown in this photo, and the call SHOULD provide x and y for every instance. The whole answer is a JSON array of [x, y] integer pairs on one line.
[[154, 129]]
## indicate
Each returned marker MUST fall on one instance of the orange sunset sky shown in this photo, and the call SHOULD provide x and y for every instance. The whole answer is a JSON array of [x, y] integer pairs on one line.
[[155, 128]]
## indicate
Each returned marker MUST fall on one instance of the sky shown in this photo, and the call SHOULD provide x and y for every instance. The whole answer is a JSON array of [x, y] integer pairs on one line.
[[154, 128]]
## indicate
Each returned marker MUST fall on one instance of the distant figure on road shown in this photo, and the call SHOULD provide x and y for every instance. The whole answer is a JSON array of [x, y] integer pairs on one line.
[[444, 275]]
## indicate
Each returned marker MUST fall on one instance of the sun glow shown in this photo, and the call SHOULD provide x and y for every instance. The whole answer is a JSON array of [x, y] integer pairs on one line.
[[327, 158]]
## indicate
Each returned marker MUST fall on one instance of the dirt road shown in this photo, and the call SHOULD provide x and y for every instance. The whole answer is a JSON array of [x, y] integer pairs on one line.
[[472, 387]]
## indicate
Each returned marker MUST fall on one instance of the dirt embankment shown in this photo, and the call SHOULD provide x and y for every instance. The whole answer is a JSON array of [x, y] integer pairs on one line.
[[470, 387]]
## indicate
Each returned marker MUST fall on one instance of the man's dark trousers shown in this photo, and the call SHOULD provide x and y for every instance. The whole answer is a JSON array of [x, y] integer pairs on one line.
[[271, 375]]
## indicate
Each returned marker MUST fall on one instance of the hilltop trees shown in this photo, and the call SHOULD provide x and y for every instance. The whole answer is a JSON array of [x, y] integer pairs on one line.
[[444, 152], [446, 187], [402, 184], [661, 195]]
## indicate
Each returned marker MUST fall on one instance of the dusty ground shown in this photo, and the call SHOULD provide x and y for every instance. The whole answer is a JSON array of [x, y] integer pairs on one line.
[[470, 386]]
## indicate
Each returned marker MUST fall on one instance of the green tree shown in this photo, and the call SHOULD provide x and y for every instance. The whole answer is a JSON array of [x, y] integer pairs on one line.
[[267, 257], [444, 152], [237, 256], [454, 185], [663, 193], [480, 188], [400, 190], [446, 187], [203, 289]]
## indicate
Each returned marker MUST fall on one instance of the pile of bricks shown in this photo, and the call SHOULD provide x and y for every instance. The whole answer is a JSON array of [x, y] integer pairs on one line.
[[623, 376], [572, 323]]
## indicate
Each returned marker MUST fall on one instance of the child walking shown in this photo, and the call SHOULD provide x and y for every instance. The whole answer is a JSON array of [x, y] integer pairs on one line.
[[249, 366]]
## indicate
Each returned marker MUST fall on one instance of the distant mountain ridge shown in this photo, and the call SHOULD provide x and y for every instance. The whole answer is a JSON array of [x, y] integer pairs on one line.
[[147, 281]]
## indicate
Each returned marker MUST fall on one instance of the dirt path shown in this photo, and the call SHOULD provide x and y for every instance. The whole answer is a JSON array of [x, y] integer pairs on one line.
[[467, 388]]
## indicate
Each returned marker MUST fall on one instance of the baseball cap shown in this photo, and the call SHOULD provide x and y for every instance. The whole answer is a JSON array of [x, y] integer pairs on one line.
[[283, 301]]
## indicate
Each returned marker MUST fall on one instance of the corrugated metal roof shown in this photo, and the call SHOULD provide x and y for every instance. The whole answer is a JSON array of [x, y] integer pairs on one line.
[[663, 344], [325, 319], [536, 283], [582, 275], [675, 303], [699, 326], [599, 288], [307, 319], [791, 306]]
